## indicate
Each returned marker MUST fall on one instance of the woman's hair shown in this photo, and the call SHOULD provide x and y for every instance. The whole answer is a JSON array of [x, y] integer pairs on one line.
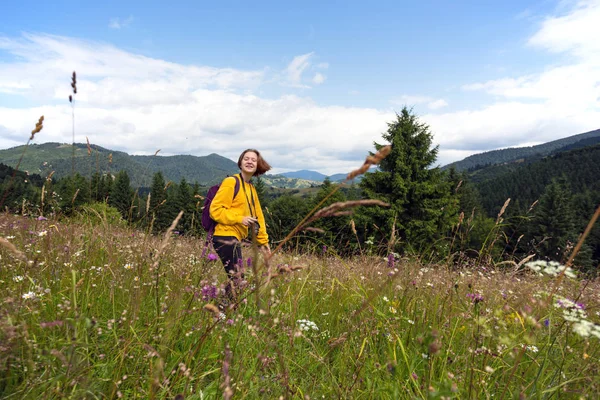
[[261, 165]]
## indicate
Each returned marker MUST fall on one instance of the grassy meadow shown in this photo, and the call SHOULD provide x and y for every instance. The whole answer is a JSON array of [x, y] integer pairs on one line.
[[95, 310]]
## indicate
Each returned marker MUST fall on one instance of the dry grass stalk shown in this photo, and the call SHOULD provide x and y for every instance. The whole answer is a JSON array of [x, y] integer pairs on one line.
[[165, 241], [148, 203], [502, 211], [370, 160], [227, 391], [341, 205], [11, 248], [42, 199], [75, 196], [38, 127], [458, 186], [156, 152], [89, 148], [212, 308], [531, 206]]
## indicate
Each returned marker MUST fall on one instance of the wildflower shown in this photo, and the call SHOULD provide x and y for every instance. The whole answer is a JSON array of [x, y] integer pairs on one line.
[[306, 325], [18, 278], [324, 249], [475, 297], [385, 299], [28, 296], [209, 292], [585, 328], [42, 218], [128, 266], [212, 257], [393, 310], [136, 278], [532, 348], [391, 259], [489, 369], [551, 268], [42, 233], [410, 321]]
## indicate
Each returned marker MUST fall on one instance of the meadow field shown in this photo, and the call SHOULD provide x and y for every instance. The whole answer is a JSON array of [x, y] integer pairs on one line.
[[98, 310]]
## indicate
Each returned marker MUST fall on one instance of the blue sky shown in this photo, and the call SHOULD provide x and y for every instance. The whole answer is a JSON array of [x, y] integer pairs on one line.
[[312, 84]]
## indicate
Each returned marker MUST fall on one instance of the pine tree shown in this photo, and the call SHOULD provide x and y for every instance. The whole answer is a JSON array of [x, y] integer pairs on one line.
[[121, 194], [158, 209], [552, 226], [422, 207]]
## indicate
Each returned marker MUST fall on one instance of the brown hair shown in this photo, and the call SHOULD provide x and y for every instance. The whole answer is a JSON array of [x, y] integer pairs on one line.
[[261, 165]]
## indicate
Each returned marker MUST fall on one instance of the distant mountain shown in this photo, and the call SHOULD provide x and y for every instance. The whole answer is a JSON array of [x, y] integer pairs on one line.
[[496, 157], [491, 172], [305, 174], [317, 177], [44, 158], [285, 182]]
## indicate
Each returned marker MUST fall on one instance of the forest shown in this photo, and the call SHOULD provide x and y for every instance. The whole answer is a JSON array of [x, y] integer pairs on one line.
[[440, 214]]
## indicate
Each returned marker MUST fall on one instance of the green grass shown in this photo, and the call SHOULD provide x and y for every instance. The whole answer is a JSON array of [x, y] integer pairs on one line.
[[83, 314]]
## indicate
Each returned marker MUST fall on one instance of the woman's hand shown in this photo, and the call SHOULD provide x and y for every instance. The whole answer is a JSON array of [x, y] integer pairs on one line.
[[247, 221]]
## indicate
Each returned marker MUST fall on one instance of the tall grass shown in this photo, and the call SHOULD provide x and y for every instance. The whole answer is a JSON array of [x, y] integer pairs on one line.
[[94, 310]]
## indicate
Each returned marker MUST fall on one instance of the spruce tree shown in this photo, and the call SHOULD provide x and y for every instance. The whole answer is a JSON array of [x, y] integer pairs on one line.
[[158, 197], [422, 206], [121, 194]]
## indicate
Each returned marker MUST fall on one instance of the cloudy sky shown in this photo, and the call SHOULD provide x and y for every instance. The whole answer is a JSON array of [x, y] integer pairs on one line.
[[310, 84]]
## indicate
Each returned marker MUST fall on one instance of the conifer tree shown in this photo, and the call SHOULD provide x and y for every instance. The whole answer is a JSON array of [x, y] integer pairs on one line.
[[422, 207], [158, 208], [121, 194]]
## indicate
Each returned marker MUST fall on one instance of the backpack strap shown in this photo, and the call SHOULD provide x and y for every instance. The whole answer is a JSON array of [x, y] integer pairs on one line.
[[236, 189]]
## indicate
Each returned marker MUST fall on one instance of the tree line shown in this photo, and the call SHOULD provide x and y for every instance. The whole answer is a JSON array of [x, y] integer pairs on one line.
[[435, 213]]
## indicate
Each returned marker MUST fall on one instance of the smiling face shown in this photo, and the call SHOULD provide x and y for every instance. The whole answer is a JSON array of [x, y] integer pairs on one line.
[[249, 162]]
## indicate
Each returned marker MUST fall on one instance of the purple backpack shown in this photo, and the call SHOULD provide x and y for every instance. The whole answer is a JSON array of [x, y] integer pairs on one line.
[[208, 223]]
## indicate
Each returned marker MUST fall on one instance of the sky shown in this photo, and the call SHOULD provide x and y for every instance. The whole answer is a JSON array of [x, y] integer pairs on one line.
[[311, 84]]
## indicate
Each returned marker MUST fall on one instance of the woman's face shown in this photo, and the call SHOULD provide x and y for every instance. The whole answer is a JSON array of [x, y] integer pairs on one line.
[[250, 162]]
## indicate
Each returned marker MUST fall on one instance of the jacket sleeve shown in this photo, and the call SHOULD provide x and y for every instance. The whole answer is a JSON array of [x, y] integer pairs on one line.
[[221, 209], [262, 238]]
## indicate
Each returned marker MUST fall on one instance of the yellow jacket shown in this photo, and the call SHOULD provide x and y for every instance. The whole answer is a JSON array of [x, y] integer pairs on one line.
[[229, 213]]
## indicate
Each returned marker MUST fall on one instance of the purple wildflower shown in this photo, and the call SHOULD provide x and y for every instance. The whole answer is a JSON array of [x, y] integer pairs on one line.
[[209, 292], [475, 297], [546, 322], [391, 260], [249, 262], [212, 257], [324, 249], [42, 218]]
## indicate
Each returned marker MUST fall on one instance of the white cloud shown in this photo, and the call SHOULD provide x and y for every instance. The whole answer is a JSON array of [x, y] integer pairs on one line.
[[139, 104], [576, 32], [440, 103], [408, 100], [318, 78], [559, 101], [296, 68], [118, 23]]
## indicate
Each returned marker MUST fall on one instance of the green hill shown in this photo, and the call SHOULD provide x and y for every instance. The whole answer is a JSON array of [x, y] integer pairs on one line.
[[44, 158], [495, 157]]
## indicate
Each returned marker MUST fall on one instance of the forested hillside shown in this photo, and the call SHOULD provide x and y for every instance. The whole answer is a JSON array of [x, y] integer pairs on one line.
[[495, 157]]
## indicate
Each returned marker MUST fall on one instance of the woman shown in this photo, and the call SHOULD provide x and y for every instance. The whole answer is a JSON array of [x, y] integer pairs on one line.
[[241, 217]]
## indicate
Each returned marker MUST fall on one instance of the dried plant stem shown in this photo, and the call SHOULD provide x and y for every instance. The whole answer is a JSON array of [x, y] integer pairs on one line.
[[38, 127]]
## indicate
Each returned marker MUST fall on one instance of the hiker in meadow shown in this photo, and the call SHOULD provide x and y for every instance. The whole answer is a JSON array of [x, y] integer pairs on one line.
[[238, 216]]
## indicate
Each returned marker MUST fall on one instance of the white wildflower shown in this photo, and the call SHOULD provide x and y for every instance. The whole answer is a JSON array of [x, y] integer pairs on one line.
[[28, 296]]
